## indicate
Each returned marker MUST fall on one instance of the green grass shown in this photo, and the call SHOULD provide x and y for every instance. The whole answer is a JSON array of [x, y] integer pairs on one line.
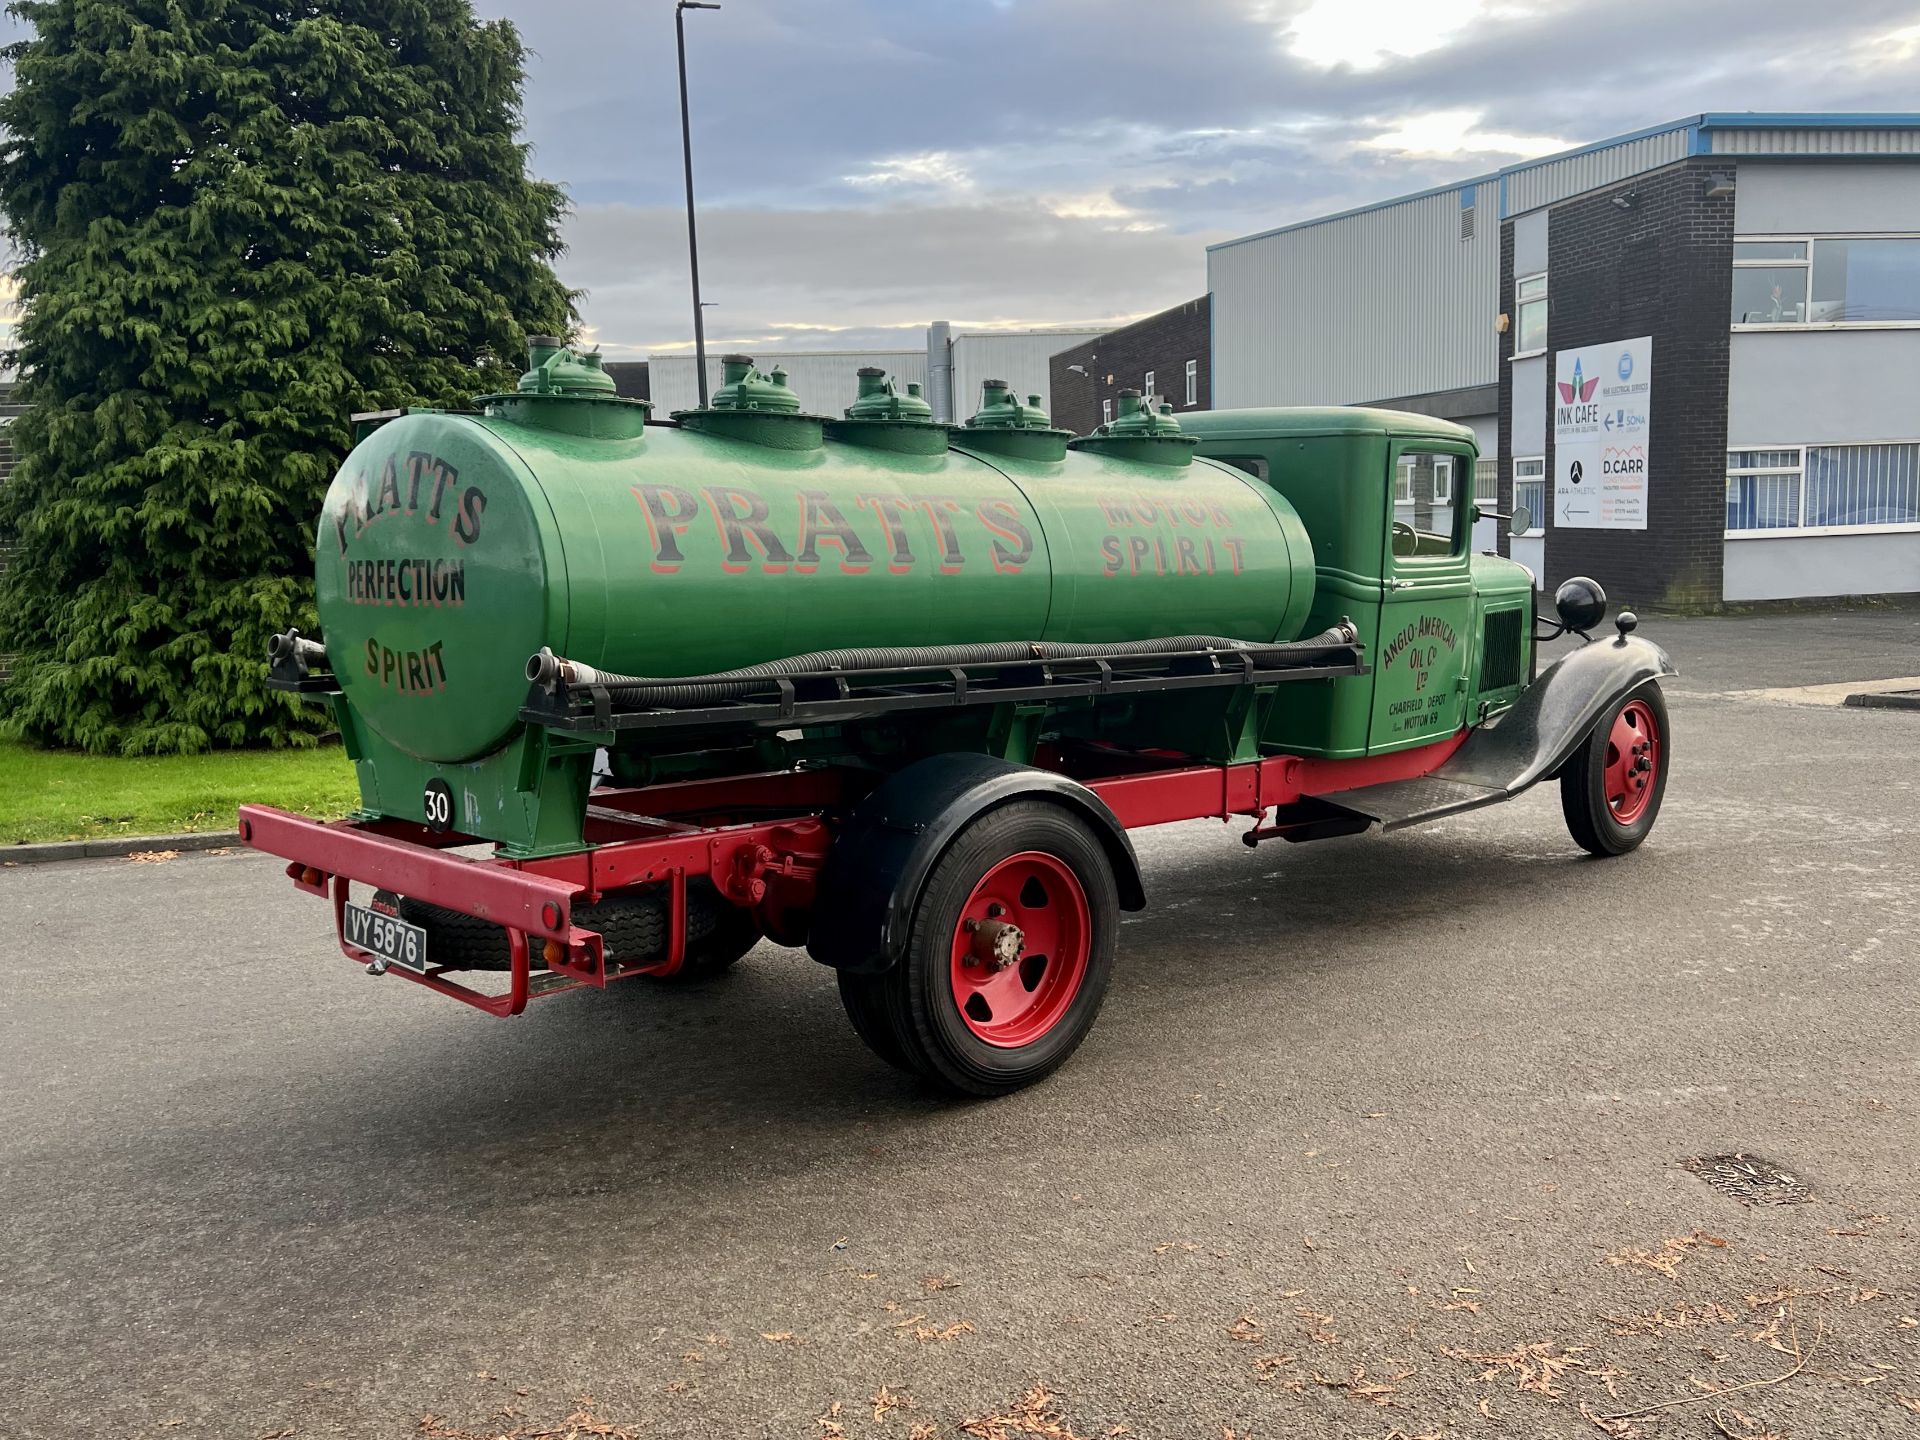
[[63, 795]]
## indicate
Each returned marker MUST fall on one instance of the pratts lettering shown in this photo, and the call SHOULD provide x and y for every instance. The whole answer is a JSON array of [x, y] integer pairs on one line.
[[409, 672], [1013, 542], [368, 503], [890, 511], [669, 510], [940, 510], [822, 520], [413, 581], [737, 528], [744, 524]]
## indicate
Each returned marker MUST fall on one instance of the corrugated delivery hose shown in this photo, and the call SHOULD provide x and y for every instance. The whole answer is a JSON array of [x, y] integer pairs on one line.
[[550, 672]]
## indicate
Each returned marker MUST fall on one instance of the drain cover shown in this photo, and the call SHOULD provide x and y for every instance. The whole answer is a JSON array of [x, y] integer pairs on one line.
[[1751, 1180]]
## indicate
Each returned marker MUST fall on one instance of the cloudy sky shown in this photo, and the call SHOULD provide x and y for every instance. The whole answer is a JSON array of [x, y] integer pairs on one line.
[[865, 166]]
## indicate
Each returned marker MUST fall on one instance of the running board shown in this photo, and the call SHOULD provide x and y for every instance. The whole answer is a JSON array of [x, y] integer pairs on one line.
[[1400, 803]]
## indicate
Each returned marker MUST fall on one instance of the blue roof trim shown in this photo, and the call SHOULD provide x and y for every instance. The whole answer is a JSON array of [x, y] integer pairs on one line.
[[1695, 127], [1791, 120]]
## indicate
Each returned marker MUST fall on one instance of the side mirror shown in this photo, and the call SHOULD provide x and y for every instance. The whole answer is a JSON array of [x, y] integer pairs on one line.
[[1520, 521]]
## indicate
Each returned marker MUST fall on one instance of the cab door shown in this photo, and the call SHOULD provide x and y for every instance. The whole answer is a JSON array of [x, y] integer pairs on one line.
[[1424, 656]]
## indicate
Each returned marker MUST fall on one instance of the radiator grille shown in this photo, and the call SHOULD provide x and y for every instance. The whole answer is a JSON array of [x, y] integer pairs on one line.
[[1500, 650]]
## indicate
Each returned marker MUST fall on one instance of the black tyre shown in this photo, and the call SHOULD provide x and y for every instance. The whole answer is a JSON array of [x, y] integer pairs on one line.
[[864, 998], [1008, 959], [1611, 789]]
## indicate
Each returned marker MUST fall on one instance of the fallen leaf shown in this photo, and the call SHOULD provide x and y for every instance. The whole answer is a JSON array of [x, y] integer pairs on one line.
[[1358, 1387], [1247, 1329], [1537, 1368], [885, 1401], [1035, 1413]]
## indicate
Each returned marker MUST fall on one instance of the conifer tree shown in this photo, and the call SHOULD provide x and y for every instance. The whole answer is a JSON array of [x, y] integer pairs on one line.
[[236, 222]]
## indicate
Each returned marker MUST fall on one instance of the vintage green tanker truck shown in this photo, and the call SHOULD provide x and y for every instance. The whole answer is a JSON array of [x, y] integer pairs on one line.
[[895, 691]]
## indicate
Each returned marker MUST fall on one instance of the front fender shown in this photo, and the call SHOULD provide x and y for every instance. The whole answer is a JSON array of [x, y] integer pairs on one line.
[[1555, 714], [871, 882]]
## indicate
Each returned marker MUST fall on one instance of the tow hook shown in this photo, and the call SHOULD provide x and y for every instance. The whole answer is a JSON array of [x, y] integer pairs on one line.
[[377, 965]]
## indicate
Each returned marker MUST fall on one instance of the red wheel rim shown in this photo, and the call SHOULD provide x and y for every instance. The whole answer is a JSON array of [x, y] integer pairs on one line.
[[1012, 988], [1633, 761]]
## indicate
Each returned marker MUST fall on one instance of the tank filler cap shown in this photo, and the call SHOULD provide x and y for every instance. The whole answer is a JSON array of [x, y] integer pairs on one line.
[[1000, 410], [745, 388], [555, 368], [880, 399], [1138, 419]]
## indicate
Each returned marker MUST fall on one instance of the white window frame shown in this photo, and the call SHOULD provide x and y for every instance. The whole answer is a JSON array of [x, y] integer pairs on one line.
[[1193, 382], [1537, 528], [1801, 327], [1540, 299], [1146, 390], [1443, 466], [1106, 412], [1788, 532], [1486, 476], [1403, 481]]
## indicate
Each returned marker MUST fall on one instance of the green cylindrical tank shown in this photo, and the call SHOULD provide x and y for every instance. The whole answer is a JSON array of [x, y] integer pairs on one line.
[[454, 546]]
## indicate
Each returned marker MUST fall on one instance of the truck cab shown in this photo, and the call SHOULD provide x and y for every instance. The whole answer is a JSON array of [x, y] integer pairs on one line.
[[1387, 500]]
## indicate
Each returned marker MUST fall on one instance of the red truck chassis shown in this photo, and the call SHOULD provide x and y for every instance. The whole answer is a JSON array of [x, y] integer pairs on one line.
[[719, 830]]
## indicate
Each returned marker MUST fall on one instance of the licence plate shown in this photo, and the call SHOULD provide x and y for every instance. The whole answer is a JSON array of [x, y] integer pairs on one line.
[[395, 941]]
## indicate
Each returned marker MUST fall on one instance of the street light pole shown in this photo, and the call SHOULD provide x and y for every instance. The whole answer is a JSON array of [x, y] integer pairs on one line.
[[686, 151]]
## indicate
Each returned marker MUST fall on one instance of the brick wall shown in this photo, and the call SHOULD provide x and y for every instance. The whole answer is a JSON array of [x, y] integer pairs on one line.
[[1120, 360], [1662, 268]]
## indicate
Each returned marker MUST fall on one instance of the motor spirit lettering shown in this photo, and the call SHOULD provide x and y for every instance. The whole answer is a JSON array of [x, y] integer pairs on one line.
[[880, 529], [1166, 548], [423, 487]]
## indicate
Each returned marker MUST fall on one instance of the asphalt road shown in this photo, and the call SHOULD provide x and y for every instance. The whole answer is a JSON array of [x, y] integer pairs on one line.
[[1381, 1136]]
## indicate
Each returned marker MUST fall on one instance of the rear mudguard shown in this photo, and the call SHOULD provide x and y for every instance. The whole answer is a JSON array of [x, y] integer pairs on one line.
[[873, 875], [1524, 745]]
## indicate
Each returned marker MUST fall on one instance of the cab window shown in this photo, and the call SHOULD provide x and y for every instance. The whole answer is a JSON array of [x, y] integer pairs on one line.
[[1429, 506]]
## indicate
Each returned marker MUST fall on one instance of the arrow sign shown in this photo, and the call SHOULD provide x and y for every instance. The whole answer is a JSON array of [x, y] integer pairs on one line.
[[1608, 422], [1568, 512]]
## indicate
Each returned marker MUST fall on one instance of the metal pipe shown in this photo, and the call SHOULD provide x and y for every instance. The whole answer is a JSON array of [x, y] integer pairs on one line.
[[686, 154]]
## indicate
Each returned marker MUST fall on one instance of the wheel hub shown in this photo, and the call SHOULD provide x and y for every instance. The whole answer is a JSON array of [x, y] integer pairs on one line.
[[996, 943], [1021, 949]]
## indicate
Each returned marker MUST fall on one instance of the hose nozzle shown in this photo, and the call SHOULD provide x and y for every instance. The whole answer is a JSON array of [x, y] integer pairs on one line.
[[551, 673], [293, 652]]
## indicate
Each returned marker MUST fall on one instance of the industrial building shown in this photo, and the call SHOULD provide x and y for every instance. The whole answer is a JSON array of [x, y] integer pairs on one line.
[[1687, 351], [950, 368], [1166, 355]]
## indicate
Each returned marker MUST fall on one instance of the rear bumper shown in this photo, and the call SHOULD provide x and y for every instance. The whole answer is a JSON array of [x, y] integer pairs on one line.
[[327, 859]]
